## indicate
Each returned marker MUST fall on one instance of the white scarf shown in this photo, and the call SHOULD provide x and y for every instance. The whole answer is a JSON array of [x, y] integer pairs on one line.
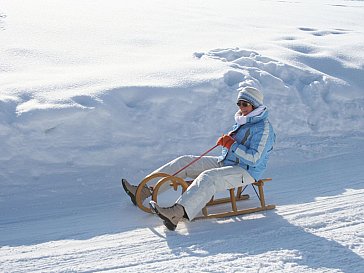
[[241, 120]]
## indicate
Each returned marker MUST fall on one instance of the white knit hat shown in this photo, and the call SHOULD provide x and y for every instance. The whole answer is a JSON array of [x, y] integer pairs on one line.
[[252, 95]]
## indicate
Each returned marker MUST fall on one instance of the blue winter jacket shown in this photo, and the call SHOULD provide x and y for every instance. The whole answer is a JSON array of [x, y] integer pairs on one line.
[[253, 144]]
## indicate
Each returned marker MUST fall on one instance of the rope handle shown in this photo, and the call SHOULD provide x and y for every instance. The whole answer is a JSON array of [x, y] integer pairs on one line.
[[189, 164]]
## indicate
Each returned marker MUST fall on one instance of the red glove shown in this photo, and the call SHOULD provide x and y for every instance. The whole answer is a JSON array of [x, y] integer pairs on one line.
[[225, 141]]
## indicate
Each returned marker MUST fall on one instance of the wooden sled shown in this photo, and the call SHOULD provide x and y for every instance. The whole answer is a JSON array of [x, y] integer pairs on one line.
[[162, 178]]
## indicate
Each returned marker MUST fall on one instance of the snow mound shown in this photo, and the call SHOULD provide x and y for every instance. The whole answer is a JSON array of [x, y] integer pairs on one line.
[[315, 103], [93, 130]]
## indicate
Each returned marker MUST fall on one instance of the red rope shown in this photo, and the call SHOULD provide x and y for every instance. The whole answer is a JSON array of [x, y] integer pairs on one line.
[[205, 153]]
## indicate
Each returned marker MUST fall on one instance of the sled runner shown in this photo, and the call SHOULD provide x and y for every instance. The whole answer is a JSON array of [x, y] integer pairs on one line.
[[235, 195]]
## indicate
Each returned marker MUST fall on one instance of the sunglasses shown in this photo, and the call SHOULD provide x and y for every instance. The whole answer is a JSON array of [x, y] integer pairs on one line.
[[243, 103]]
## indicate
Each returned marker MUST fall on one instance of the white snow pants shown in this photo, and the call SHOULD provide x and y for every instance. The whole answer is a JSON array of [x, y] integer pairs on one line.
[[209, 177]]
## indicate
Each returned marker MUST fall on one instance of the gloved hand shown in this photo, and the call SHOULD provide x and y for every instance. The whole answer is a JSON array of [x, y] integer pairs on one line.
[[225, 141]]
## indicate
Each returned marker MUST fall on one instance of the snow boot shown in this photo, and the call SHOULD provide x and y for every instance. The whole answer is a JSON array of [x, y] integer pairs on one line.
[[170, 215], [131, 191]]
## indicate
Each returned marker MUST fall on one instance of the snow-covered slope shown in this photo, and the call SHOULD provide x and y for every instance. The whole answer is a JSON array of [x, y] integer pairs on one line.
[[94, 91]]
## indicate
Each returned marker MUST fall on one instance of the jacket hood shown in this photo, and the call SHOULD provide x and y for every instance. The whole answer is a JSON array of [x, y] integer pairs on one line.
[[262, 115]]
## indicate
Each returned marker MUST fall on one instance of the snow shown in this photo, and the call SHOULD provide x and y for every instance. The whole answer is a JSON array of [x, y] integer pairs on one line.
[[92, 91]]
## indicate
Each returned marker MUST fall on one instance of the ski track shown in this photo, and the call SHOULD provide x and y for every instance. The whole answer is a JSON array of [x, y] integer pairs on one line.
[[291, 238]]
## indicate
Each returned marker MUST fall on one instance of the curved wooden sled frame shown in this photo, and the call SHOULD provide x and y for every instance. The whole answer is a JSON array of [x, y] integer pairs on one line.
[[163, 178], [175, 182]]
